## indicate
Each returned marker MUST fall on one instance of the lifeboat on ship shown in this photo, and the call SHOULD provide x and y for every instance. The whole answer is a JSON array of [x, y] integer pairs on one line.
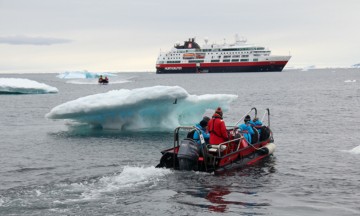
[[186, 153]]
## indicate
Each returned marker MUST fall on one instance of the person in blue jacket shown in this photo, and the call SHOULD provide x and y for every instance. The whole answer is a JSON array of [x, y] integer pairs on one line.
[[255, 122], [202, 126], [246, 128]]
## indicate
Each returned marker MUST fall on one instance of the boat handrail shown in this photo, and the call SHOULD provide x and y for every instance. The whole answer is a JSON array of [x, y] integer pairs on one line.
[[176, 133], [226, 142], [254, 108], [268, 115], [177, 140]]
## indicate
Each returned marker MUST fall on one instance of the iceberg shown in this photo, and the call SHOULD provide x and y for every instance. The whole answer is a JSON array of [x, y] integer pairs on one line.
[[307, 68], [24, 86], [150, 108], [355, 66], [86, 78], [82, 75]]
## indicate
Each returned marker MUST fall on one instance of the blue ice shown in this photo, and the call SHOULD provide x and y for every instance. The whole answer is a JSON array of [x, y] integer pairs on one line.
[[82, 75], [152, 108]]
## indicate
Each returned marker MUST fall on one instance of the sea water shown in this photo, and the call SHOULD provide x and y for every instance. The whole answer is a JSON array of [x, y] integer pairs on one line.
[[56, 167]]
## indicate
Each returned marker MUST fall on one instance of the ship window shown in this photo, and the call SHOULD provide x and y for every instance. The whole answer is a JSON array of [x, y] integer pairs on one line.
[[255, 60], [244, 56], [235, 60], [196, 61], [226, 60], [230, 49], [244, 60], [215, 60]]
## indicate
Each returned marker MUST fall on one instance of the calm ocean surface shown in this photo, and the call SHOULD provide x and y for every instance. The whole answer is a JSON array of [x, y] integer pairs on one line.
[[48, 167]]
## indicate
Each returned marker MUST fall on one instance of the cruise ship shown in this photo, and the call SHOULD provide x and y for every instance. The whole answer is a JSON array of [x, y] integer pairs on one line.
[[239, 56]]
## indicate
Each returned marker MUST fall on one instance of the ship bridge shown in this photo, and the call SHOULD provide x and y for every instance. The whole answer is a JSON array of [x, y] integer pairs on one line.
[[190, 44]]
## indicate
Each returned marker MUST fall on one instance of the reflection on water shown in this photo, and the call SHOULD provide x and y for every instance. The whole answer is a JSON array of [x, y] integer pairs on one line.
[[252, 178], [237, 189], [217, 196]]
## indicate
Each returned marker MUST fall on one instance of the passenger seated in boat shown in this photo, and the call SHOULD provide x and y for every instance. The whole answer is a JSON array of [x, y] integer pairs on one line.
[[217, 128], [256, 122], [257, 126], [101, 79], [202, 126], [247, 129]]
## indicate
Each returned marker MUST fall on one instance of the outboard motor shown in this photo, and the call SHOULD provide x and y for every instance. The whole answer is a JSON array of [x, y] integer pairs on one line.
[[188, 155]]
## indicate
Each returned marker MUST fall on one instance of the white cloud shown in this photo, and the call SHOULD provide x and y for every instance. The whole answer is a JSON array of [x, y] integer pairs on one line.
[[26, 40], [127, 35]]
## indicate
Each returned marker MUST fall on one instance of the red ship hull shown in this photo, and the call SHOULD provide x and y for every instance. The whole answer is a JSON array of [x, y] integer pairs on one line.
[[221, 67]]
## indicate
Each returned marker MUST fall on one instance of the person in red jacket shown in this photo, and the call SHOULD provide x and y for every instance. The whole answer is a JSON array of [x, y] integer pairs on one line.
[[217, 128]]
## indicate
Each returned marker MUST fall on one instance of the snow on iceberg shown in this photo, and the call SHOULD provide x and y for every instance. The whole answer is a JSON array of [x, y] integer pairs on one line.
[[153, 108], [24, 86], [82, 75]]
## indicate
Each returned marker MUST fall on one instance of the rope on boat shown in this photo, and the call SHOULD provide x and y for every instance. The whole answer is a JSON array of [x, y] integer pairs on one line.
[[253, 146]]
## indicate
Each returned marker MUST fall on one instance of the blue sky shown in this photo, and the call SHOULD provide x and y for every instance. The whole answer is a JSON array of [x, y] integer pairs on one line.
[[127, 35]]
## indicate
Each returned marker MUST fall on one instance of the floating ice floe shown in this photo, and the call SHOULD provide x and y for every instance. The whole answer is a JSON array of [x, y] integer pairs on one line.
[[350, 81], [311, 67], [153, 108], [82, 75], [355, 150], [356, 66], [24, 86]]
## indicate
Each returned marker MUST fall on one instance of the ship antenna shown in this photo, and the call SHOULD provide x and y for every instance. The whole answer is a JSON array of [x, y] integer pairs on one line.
[[206, 40], [237, 38]]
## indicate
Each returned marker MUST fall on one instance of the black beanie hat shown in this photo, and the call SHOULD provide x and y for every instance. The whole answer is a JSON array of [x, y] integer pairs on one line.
[[203, 123], [206, 118]]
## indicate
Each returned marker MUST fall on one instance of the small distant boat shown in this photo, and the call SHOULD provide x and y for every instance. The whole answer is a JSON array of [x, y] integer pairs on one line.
[[233, 154], [103, 80]]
